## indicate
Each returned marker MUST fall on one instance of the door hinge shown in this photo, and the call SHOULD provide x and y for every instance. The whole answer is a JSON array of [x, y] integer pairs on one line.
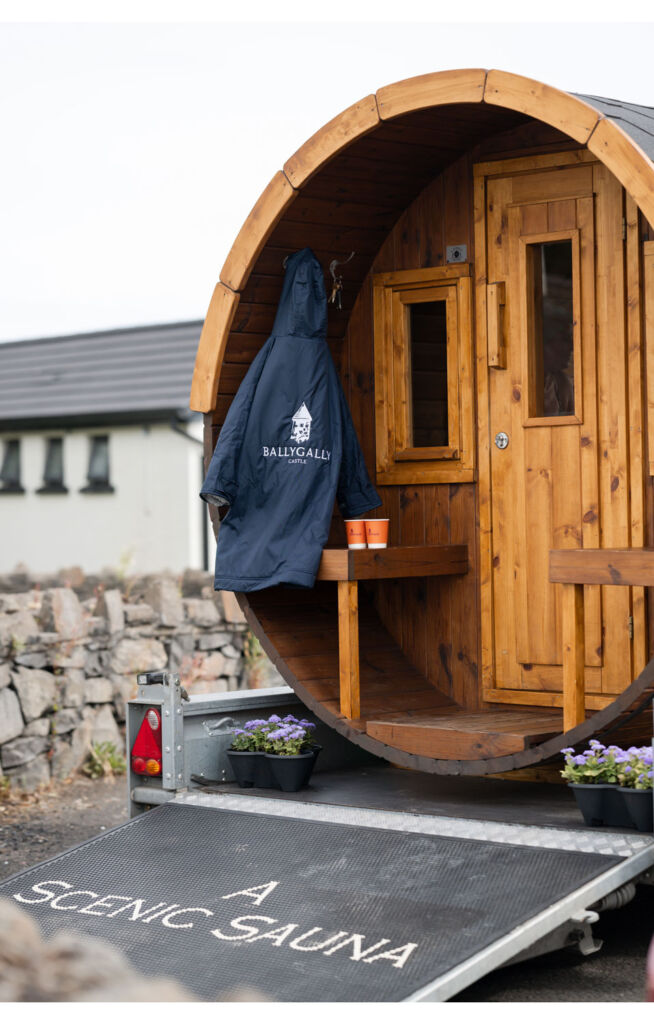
[[630, 626]]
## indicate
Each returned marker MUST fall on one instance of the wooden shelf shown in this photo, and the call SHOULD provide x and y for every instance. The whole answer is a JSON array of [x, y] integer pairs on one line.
[[631, 567], [393, 563], [346, 568]]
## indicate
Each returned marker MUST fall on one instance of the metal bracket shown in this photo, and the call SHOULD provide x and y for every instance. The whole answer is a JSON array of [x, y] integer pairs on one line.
[[164, 688]]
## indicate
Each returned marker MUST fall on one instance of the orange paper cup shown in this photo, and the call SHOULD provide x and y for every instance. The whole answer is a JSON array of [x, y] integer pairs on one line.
[[356, 533], [377, 533]]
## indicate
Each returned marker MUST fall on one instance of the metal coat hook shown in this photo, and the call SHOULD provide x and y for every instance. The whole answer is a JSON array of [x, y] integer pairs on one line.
[[337, 289]]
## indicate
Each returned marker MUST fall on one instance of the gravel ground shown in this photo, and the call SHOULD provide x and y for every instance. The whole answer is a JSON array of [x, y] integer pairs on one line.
[[41, 826], [33, 830]]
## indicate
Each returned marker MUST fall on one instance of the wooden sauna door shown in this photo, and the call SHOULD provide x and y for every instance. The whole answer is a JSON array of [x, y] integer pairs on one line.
[[558, 397]]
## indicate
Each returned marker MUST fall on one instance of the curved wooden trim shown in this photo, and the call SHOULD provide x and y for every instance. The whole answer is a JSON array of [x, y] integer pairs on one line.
[[211, 348], [582, 122], [329, 140], [543, 102], [624, 158], [262, 218], [433, 90], [603, 722]]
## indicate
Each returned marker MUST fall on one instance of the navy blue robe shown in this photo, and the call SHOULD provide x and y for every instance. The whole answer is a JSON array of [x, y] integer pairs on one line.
[[287, 448]]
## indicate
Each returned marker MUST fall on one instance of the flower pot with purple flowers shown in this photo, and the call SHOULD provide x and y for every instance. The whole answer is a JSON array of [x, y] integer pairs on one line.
[[608, 782], [273, 753]]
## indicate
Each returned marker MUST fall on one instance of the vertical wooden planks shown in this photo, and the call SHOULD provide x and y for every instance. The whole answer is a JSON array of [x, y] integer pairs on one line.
[[612, 419], [574, 646], [348, 648], [635, 365], [588, 438], [486, 619]]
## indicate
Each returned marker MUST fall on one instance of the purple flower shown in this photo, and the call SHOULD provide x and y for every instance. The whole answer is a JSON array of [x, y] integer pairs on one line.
[[290, 718], [307, 725], [566, 750], [601, 760], [579, 759], [274, 719], [256, 723], [627, 768]]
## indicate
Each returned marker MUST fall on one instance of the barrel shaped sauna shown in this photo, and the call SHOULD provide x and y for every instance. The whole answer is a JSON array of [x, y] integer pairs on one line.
[[496, 347]]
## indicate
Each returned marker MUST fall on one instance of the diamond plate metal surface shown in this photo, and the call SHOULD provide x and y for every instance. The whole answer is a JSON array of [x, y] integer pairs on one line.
[[612, 844]]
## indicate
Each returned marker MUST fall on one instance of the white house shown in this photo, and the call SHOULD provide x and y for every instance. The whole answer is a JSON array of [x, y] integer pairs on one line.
[[100, 456]]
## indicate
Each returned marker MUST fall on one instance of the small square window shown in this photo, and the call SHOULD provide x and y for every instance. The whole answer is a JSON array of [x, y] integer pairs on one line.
[[423, 375], [53, 472], [98, 470], [10, 471]]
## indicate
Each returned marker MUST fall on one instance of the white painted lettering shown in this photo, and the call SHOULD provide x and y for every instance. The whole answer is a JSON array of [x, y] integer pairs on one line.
[[273, 451], [257, 893], [57, 905], [301, 452], [251, 929], [400, 954], [278, 934], [104, 902], [266, 452], [357, 952], [136, 906], [185, 910], [39, 887], [295, 944]]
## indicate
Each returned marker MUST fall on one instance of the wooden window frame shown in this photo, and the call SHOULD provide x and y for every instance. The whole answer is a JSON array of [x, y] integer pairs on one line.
[[397, 461], [528, 334]]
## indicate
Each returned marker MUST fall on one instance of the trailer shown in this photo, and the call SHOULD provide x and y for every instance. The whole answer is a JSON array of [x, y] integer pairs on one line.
[[373, 883]]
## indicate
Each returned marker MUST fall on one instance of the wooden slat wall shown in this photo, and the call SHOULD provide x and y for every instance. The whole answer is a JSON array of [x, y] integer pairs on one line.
[[436, 621], [354, 203]]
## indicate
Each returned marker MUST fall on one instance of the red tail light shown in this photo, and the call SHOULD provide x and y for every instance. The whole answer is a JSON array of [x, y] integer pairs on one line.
[[146, 752]]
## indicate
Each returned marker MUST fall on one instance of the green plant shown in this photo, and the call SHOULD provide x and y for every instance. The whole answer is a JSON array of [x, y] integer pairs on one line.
[[274, 735], [104, 760], [595, 765], [631, 768], [5, 786]]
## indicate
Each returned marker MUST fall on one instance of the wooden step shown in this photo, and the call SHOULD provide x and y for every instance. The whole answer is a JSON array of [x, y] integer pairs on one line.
[[466, 735]]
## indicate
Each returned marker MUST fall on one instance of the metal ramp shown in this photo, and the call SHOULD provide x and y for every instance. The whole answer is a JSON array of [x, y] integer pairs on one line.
[[324, 903]]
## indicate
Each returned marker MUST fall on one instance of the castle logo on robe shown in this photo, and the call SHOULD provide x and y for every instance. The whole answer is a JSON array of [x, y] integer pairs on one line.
[[301, 424]]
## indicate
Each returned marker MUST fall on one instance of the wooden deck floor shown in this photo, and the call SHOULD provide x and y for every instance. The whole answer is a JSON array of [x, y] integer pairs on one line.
[[399, 707]]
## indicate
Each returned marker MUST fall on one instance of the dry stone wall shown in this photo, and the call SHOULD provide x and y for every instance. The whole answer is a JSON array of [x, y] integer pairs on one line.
[[67, 666]]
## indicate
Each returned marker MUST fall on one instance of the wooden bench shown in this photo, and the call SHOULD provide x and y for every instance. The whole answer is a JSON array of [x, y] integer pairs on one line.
[[347, 567], [575, 568]]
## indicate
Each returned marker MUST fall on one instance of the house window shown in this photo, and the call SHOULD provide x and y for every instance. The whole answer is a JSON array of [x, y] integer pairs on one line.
[[98, 471], [423, 375], [53, 472], [10, 471], [551, 281]]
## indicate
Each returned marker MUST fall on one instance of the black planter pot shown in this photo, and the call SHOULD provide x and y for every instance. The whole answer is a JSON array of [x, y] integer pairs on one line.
[[244, 765], [251, 768], [640, 806], [615, 806], [292, 771], [591, 800]]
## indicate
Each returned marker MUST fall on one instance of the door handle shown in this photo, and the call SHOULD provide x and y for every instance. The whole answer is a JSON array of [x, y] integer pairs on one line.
[[495, 310]]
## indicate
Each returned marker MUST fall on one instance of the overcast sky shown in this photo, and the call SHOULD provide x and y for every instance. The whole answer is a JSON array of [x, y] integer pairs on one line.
[[132, 153]]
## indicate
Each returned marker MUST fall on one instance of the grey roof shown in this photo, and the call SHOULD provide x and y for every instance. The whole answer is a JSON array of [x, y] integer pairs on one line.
[[635, 120], [137, 373]]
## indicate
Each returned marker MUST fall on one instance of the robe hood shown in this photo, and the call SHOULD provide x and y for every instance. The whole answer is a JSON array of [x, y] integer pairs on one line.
[[287, 449], [302, 310]]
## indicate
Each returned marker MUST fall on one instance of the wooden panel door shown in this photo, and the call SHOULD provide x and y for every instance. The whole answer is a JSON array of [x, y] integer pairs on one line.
[[558, 424]]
